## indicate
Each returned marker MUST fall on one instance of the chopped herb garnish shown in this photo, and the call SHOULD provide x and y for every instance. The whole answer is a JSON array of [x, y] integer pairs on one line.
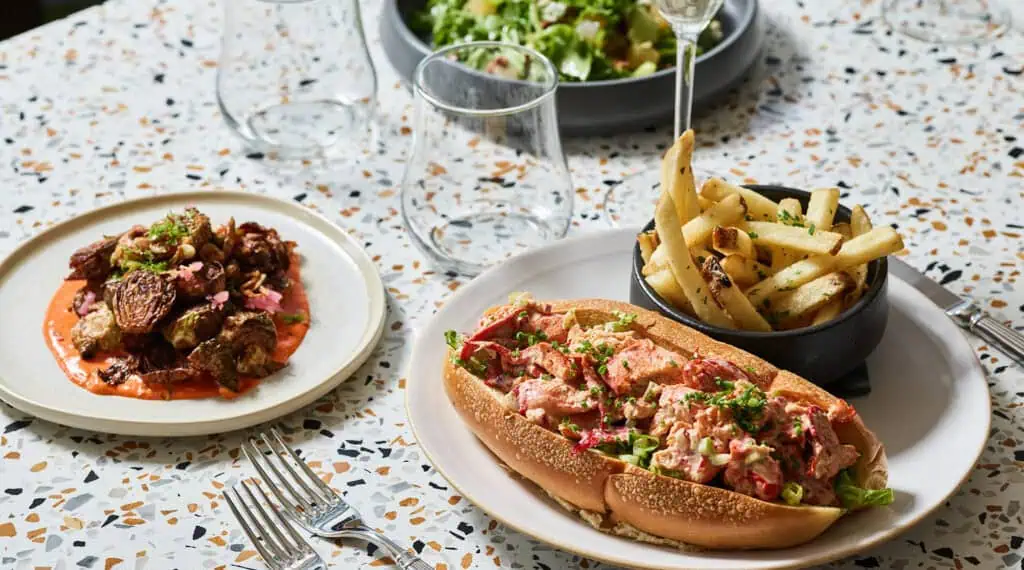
[[810, 229], [152, 266], [623, 323], [625, 364], [170, 229], [746, 407], [295, 318], [451, 338], [569, 425], [530, 339], [753, 235], [789, 219]]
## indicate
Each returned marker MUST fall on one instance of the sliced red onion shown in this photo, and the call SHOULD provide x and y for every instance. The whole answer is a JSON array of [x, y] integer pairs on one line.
[[218, 299], [87, 302]]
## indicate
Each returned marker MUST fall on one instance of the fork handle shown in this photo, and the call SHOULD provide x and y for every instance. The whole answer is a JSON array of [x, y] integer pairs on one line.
[[973, 318], [403, 558]]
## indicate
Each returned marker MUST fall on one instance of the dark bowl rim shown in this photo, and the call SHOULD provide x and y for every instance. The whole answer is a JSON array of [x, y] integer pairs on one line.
[[747, 20], [880, 277]]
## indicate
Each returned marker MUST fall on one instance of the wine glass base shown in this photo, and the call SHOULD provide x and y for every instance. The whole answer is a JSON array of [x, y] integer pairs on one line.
[[303, 129], [631, 203], [947, 21], [470, 243]]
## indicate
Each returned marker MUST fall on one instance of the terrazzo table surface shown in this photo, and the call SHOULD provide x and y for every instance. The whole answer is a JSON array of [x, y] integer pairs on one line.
[[118, 102]]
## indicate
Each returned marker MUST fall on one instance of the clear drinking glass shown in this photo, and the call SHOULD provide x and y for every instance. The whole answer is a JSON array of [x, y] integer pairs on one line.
[[486, 177], [947, 21], [631, 203], [295, 78]]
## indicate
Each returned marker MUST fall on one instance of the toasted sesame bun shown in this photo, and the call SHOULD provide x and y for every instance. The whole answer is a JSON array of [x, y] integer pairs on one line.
[[626, 496]]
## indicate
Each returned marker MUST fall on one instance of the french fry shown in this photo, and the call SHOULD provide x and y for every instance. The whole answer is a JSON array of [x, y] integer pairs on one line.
[[665, 285], [758, 207], [830, 311], [687, 275], [821, 209], [732, 300], [730, 240], [790, 212], [860, 223], [698, 230], [807, 298], [646, 246], [677, 177], [858, 251], [795, 238], [745, 271], [843, 229], [791, 277], [878, 242], [658, 261]]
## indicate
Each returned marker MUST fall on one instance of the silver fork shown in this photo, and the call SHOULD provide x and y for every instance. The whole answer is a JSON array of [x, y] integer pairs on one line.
[[280, 550], [312, 504]]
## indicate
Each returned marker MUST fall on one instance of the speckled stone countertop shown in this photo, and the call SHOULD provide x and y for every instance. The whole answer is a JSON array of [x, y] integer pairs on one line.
[[118, 102]]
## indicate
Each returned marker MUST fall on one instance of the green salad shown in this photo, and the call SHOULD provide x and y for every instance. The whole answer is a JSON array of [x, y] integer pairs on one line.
[[586, 40]]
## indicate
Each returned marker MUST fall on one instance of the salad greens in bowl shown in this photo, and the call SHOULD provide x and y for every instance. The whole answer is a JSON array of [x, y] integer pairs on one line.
[[616, 58], [586, 40]]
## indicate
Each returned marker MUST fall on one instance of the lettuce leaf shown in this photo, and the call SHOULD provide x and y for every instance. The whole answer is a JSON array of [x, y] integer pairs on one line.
[[853, 497]]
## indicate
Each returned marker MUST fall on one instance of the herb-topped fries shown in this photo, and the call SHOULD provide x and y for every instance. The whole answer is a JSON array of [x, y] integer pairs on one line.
[[738, 260]]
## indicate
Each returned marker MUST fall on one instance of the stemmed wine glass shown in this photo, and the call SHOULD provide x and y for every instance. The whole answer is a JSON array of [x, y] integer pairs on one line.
[[632, 201], [947, 21]]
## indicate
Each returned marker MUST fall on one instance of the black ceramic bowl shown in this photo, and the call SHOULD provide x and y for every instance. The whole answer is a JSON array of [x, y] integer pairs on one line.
[[606, 107], [823, 353]]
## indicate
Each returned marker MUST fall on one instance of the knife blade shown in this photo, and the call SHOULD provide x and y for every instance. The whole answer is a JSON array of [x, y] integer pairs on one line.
[[964, 312]]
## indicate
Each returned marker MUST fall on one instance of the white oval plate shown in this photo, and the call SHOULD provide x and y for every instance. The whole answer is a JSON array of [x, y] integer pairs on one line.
[[343, 328], [929, 405]]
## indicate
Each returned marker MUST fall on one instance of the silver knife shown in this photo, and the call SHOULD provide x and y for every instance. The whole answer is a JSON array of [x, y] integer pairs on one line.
[[964, 312]]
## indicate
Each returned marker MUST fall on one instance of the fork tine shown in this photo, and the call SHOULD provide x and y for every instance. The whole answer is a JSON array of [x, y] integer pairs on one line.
[[295, 476], [255, 456], [303, 545], [282, 481], [288, 549], [255, 537], [302, 464]]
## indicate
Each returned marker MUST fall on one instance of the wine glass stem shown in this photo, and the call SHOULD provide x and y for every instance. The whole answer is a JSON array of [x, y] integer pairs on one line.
[[685, 64]]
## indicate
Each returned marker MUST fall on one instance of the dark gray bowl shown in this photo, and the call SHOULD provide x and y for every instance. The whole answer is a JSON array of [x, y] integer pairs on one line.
[[823, 353], [606, 107]]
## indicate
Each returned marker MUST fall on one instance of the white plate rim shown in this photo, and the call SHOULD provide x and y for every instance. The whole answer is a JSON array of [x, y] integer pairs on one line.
[[951, 336], [163, 428]]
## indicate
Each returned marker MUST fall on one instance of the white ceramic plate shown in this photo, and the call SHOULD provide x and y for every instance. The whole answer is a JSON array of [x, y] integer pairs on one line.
[[343, 330], [929, 405]]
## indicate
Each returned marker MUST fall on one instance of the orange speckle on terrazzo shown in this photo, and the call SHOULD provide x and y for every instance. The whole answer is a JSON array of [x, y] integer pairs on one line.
[[7, 529], [467, 561], [38, 467]]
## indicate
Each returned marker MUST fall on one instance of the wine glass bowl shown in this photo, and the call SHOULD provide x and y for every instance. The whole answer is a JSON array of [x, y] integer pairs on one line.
[[487, 177]]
